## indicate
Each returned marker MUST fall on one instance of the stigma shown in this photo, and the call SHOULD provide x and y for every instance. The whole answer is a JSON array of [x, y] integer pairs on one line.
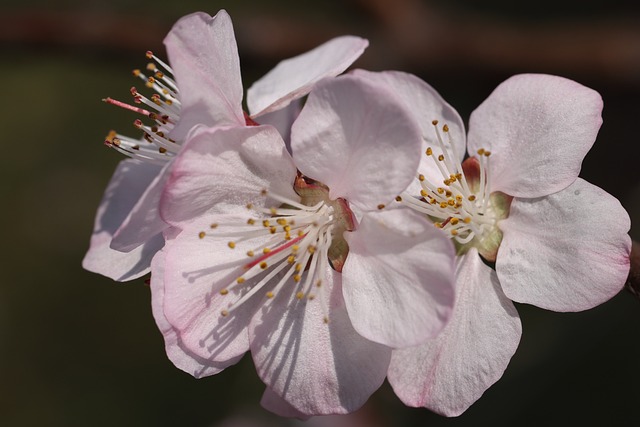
[[288, 248], [461, 204]]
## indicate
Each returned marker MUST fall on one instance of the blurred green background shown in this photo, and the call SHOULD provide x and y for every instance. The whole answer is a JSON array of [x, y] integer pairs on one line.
[[77, 349]]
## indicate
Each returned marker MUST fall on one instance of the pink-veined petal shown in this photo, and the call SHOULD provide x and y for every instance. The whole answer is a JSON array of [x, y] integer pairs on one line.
[[294, 77], [565, 252], [127, 184], [453, 370], [203, 54], [317, 367], [358, 139], [223, 169], [143, 222], [427, 105], [196, 270], [398, 278], [538, 129], [181, 357], [274, 403]]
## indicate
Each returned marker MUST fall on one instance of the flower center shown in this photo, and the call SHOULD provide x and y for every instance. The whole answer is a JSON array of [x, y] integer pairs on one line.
[[296, 241], [462, 205]]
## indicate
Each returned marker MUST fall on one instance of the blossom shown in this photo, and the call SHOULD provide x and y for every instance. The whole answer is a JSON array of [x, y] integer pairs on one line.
[[556, 241], [201, 86], [293, 256]]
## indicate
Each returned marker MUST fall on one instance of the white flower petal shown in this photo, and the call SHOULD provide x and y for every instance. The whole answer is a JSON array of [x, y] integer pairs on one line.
[[565, 252], [203, 54], [358, 139], [538, 129], [398, 278], [452, 371], [295, 77]]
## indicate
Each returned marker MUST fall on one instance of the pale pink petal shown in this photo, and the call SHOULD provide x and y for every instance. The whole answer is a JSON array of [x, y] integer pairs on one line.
[[274, 403], [294, 77], [452, 371], [538, 129], [127, 184], [565, 252], [358, 139], [143, 222], [317, 367], [398, 278], [181, 357], [426, 105], [223, 169], [203, 54], [196, 270], [282, 120]]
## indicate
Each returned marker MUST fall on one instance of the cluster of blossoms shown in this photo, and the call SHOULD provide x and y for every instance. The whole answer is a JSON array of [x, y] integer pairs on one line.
[[359, 237]]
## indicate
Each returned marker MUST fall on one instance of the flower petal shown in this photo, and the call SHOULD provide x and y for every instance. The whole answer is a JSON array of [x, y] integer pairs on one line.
[[426, 105], [294, 77], [223, 169], [274, 403], [318, 368], [398, 278], [143, 222], [181, 357], [452, 371], [193, 296], [283, 120], [565, 252], [203, 54], [358, 139], [127, 184], [538, 129]]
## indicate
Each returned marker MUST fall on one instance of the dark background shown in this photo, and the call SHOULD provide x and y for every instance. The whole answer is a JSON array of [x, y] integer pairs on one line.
[[77, 349]]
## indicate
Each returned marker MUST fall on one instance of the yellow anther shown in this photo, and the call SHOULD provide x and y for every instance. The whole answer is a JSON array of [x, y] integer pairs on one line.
[[266, 223], [162, 150], [454, 221], [480, 151], [311, 249], [448, 193], [287, 236], [471, 198], [224, 313], [451, 202], [467, 220], [421, 178], [447, 182], [295, 248], [263, 192], [269, 294], [202, 234], [273, 211], [398, 199], [159, 74], [263, 265], [298, 267], [458, 197], [291, 259], [487, 153], [443, 205], [440, 190], [273, 230], [429, 151], [458, 176], [434, 122], [423, 193], [300, 295], [266, 251], [281, 221], [380, 206], [214, 225], [319, 283], [441, 157], [251, 221], [249, 206], [438, 224], [454, 232], [136, 73], [297, 278], [300, 233], [224, 291], [250, 253], [445, 128], [286, 228], [232, 245], [240, 280]]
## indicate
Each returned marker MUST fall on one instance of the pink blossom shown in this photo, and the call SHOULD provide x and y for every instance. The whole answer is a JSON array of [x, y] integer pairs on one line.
[[202, 86], [293, 256], [557, 241]]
